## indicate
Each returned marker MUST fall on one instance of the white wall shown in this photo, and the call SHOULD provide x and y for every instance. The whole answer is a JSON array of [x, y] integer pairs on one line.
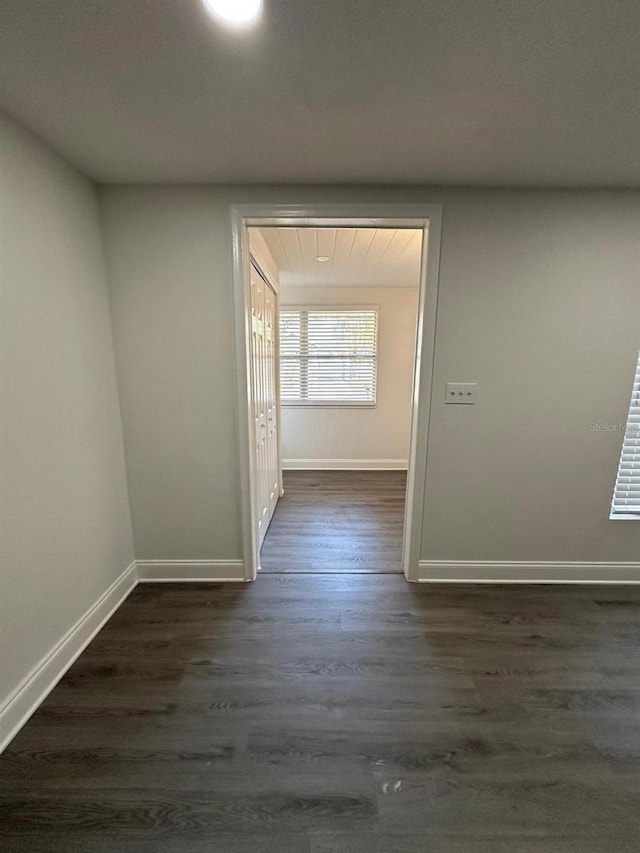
[[170, 284], [64, 516], [539, 303], [359, 436]]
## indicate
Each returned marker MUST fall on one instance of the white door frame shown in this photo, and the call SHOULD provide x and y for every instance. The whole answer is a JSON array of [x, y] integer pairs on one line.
[[428, 217]]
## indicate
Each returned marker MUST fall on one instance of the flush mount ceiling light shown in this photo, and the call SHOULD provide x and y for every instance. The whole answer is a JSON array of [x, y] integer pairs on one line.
[[235, 11], [323, 258]]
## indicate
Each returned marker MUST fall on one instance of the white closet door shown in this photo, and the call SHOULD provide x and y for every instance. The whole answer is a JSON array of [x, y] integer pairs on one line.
[[270, 322], [263, 394]]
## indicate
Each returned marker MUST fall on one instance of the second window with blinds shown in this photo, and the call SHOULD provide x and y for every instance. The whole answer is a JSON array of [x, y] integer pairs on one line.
[[626, 495], [328, 356]]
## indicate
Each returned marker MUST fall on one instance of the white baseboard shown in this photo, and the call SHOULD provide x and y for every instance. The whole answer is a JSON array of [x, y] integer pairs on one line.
[[35, 688], [184, 571], [344, 464], [487, 571]]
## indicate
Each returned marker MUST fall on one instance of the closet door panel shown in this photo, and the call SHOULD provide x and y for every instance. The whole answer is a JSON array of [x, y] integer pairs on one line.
[[264, 317], [271, 319], [259, 401]]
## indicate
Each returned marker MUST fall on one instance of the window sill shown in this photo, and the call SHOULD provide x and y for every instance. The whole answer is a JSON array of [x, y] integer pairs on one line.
[[624, 516], [319, 404]]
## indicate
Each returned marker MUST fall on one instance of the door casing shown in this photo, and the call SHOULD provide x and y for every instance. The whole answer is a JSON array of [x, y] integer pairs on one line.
[[427, 217]]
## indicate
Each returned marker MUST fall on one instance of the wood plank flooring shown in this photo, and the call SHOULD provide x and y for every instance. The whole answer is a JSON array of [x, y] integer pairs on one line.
[[330, 713], [337, 521]]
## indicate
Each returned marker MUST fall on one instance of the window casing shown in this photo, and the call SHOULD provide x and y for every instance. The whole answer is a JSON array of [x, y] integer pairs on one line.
[[626, 496], [328, 356]]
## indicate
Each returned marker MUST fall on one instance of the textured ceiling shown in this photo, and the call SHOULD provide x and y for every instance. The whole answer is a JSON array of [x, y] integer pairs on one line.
[[501, 92], [371, 257]]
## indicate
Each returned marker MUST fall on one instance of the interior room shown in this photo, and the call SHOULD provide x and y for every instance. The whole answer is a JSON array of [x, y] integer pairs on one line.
[[347, 302], [449, 663]]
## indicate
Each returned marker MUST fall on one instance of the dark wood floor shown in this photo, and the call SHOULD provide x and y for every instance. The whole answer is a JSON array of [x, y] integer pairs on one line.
[[336, 521], [319, 714]]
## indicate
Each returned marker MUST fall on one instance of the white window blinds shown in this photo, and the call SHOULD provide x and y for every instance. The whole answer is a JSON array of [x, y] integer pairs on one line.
[[328, 356], [626, 498]]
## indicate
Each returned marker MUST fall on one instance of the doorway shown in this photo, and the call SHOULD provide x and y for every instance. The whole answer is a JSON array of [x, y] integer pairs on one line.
[[348, 304], [372, 496]]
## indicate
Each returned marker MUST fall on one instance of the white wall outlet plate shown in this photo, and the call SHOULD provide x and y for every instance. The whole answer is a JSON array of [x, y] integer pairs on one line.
[[461, 393]]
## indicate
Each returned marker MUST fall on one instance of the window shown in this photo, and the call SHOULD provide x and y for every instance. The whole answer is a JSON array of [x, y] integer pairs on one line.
[[328, 356], [626, 497]]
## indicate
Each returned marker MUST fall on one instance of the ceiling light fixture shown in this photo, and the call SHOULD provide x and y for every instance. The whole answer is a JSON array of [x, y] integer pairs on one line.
[[235, 11], [323, 258]]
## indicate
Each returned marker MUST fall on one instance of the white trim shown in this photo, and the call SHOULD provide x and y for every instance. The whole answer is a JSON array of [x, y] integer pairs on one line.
[[184, 571], [328, 404], [37, 685], [27, 697], [422, 390], [34, 689], [330, 307], [428, 217], [344, 464], [263, 259], [526, 571], [244, 428]]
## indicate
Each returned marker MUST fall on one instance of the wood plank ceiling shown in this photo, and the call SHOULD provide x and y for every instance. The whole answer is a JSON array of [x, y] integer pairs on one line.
[[370, 257]]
